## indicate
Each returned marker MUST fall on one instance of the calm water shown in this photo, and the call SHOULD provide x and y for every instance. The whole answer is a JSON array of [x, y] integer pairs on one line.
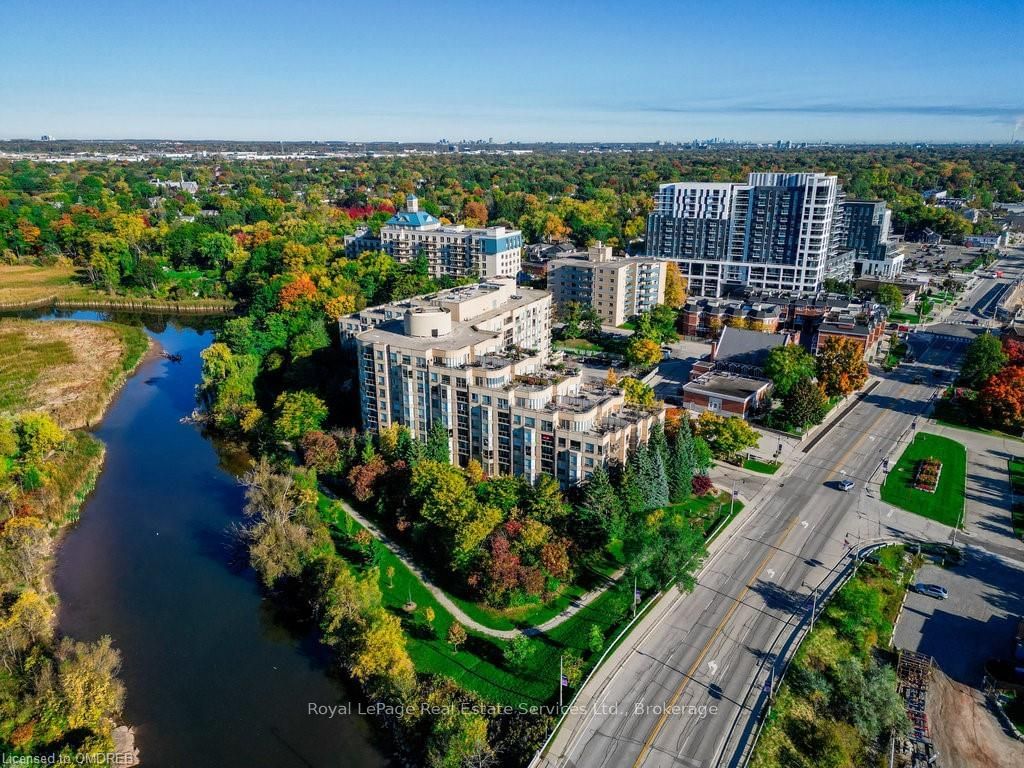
[[213, 678]]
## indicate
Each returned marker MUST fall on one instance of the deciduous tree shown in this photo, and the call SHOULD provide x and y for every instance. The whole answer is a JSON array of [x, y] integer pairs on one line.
[[983, 359], [787, 365], [841, 366]]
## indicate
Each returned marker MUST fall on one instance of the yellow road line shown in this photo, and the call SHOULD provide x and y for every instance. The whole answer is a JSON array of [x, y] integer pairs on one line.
[[864, 436], [707, 646]]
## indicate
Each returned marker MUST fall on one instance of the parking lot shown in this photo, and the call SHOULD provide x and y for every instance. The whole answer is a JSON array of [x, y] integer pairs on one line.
[[938, 260], [975, 623]]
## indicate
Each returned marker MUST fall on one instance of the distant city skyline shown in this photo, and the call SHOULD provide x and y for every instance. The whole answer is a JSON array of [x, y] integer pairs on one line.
[[941, 71]]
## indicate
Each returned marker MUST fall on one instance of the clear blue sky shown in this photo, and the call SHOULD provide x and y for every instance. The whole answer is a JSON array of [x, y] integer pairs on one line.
[[523, 70]]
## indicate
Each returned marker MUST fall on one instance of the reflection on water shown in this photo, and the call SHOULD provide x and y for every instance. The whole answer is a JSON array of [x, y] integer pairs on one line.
[[215, 675]]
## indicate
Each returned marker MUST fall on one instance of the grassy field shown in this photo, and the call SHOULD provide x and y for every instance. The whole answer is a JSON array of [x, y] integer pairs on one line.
[[479, 664], [24, 285], [1016, 469], [946, 504], [578, 345], [764, 467], [68, 369], [905, 318], [896, 354]]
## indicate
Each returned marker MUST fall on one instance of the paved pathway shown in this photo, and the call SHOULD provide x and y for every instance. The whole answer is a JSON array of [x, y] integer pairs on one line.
[[574, 607]]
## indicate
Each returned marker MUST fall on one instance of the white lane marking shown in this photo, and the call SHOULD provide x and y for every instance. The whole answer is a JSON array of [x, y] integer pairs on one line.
[[770, 573], [804, 524], [712, 667]]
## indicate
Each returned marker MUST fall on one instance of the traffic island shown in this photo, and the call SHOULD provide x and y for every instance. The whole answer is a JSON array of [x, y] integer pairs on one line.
[[928, 479]]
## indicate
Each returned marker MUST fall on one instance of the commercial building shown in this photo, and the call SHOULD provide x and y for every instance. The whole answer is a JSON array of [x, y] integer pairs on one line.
[[777, 231], [451, 250], [866, 232], [617, 288], [729, 394], [475, 359], [865, 329], [996, 240]]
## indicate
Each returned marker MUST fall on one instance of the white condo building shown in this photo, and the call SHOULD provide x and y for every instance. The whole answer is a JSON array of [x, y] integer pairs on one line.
[[776, 231], [452, 250]]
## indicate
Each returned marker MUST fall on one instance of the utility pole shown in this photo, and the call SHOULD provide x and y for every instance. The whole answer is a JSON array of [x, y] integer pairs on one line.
[[634, 595], [561, 683]]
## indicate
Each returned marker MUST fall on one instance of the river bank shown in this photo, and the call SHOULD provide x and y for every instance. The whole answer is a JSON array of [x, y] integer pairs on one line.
[[213, 671], [54, 379], [26, 287]]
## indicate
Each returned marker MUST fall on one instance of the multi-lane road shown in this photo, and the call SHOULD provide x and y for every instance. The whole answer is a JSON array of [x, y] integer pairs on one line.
[[687, 687]]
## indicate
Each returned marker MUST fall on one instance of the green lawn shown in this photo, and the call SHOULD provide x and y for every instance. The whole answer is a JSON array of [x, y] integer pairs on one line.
[[479, 664], [906, 318], [946, 504], [579, 345], [896, 354], [1016, 469], [764, 467]]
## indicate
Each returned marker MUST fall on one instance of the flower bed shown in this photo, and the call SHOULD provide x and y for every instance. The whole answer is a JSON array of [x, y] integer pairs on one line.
[[927, 476]]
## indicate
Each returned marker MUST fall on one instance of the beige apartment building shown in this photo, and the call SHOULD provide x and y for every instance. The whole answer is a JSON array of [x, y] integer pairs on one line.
[[475, 359], [617, 288]]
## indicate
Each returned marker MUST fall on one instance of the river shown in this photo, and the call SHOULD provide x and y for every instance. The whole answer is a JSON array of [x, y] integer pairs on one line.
[[213, 677]]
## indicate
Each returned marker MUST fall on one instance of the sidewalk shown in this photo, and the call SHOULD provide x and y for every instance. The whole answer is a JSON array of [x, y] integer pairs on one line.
[[574, 607]]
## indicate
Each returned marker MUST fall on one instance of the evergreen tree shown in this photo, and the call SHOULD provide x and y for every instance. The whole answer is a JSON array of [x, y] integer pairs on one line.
[[659, 480], [680, 469], [599, 516], [437, 447], [658, 443], [630, 488]]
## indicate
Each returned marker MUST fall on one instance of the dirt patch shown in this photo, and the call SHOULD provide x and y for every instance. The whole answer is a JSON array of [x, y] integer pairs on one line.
[[965, 731], [67, 369]]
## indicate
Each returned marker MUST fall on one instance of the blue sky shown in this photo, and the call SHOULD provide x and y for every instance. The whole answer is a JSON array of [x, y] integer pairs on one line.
[[618, 71]]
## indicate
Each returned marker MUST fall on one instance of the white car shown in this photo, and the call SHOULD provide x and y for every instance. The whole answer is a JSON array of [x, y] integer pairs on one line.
[[846, 485], [931, 590]]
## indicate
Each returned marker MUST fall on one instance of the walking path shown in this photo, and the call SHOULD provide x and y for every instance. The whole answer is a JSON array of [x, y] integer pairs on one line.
[[574, 607]]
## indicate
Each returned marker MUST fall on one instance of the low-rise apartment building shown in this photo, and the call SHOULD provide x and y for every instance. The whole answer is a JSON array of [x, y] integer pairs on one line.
[[616, 288], [864, 329], [452, 250], [475, 360]]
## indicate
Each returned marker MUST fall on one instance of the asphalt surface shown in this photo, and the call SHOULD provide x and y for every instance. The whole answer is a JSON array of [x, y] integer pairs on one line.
[[978, 620], [714, 647], [686, 687]]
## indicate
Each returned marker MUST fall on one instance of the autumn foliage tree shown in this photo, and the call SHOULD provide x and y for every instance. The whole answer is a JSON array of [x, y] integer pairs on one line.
[[675, 286], [841, 366], [1001, 399], [643, 353]]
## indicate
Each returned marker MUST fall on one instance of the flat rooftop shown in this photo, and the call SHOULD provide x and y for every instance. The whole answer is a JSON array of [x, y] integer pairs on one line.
[[726, 385]]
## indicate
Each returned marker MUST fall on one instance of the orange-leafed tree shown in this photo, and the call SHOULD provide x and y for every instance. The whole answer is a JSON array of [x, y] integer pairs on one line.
[[1001, 400], [298, 291], [841, 366]]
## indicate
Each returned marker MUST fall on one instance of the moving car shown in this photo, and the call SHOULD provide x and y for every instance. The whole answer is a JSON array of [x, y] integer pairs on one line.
[[846, 485], [931, 590]]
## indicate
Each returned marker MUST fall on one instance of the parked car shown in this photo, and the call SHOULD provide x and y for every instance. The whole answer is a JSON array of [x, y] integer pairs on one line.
[[931, 590], [846, 485]]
